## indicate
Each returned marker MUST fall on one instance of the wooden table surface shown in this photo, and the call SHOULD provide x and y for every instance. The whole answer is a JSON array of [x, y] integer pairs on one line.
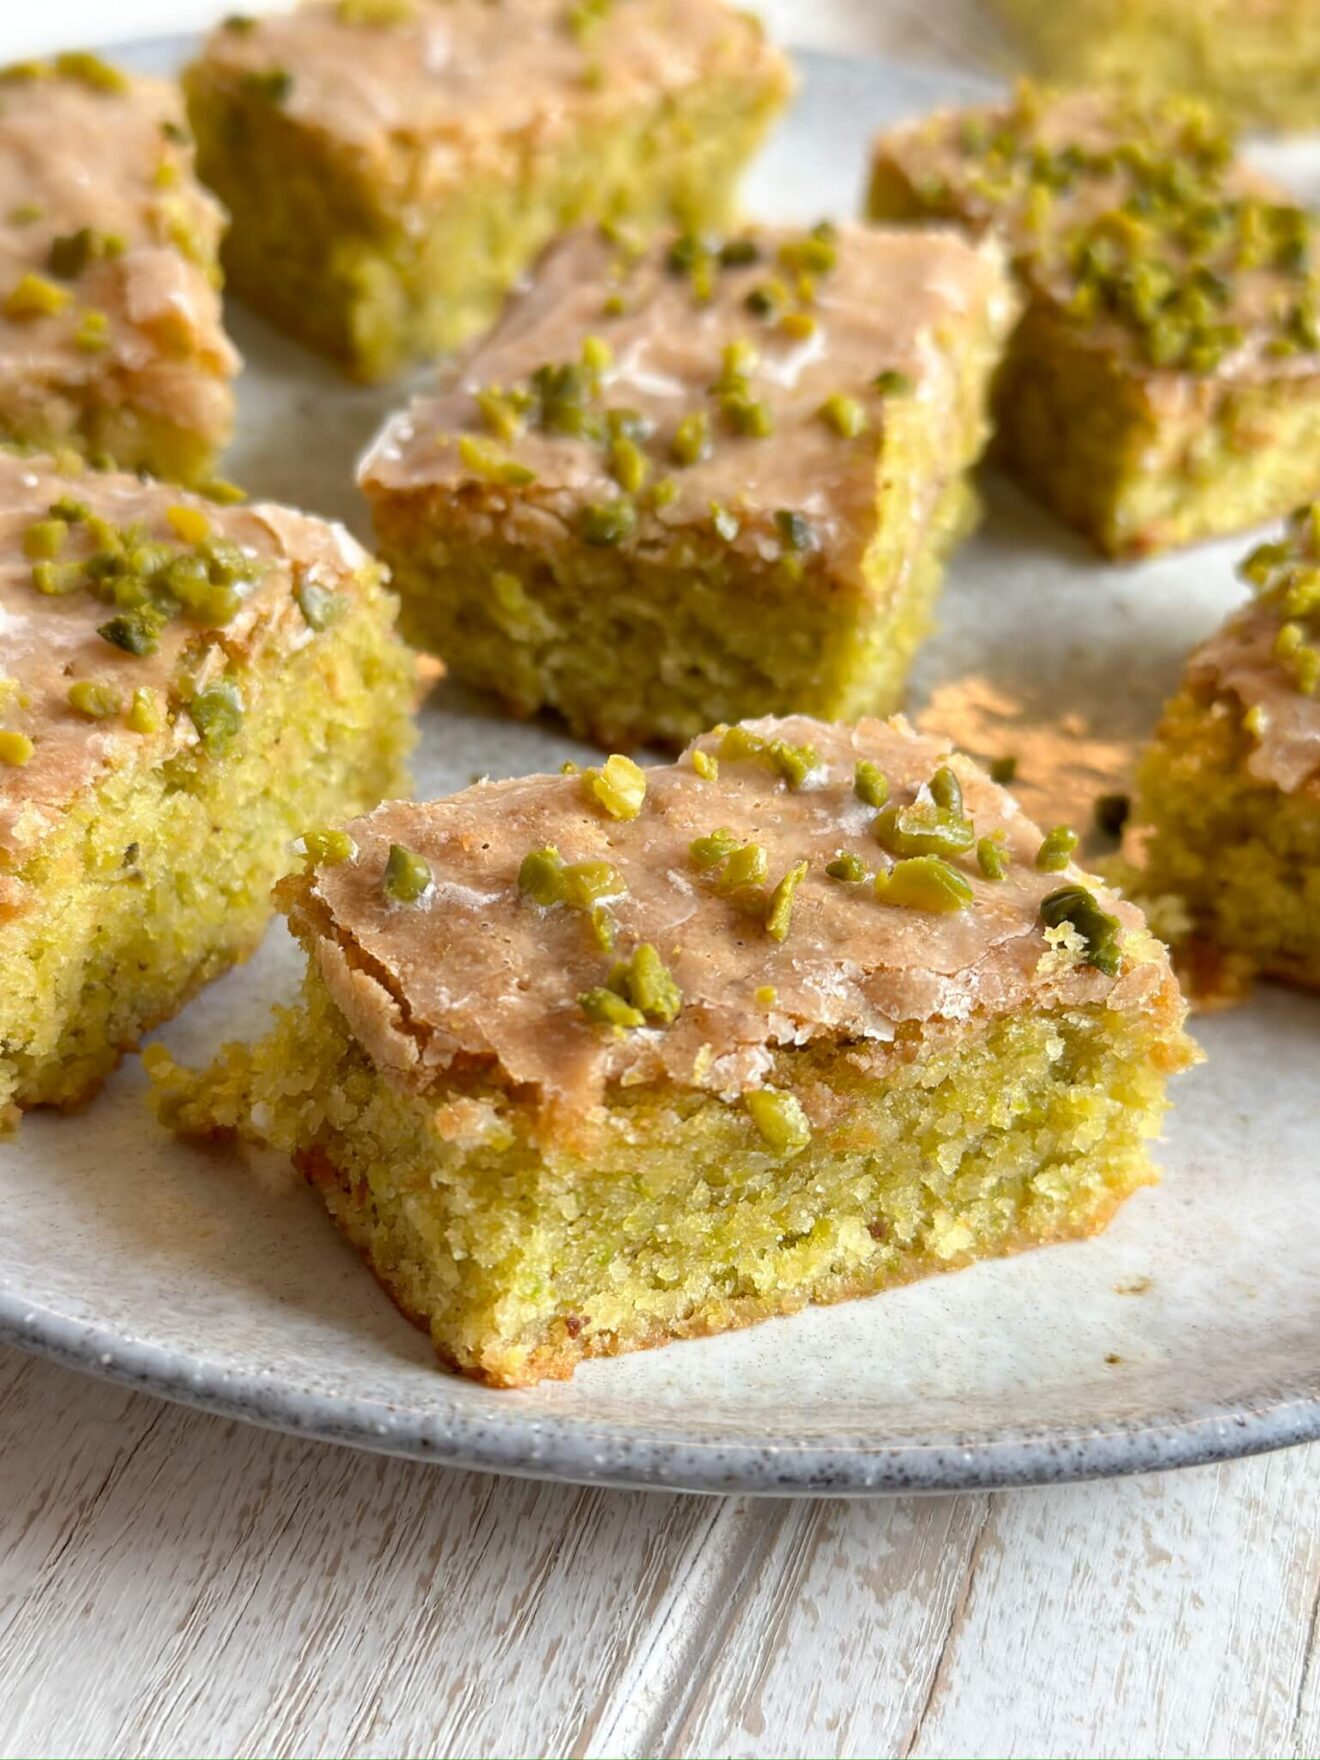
[[171, 1583]]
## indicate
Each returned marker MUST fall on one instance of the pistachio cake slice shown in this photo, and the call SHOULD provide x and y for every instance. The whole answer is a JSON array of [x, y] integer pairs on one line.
[[183, 690], [711, 481], [585, 1063], [393, 166], [1256, 61], [111, 340], [1164, 383], [1228, 801]]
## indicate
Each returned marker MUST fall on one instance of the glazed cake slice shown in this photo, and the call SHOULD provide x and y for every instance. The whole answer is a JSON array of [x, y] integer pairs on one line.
[[1164, 384], [713, 481], [589, 1062], [393, 166], [1228, 805], [1256, 61], [110, 327], [183, 690]]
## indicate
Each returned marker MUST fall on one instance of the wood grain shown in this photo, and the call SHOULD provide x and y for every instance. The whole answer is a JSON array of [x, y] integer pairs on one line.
[[175, 1583]]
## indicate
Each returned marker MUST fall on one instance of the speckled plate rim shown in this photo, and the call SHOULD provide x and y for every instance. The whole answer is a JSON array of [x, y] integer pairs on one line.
[[541, 1446], [583, 1453]]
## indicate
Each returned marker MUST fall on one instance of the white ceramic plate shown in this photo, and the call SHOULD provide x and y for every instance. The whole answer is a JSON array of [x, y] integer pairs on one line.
[[1190, 1331]]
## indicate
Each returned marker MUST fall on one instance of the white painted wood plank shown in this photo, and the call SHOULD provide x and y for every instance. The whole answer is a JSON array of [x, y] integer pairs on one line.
[[175, 1583]]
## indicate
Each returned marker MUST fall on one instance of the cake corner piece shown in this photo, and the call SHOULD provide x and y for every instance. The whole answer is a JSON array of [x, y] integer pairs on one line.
[[587, 1063], [111, 335], [1164, 383], [1226, 834], [184, 690], [392, 166]]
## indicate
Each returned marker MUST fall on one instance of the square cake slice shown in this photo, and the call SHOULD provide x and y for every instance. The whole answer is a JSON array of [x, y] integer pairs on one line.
[[183, 691], [1256, 61], [1228, 802], [589, 1062], [713, 481], [393, 166], [111, 340], [1164, 384]]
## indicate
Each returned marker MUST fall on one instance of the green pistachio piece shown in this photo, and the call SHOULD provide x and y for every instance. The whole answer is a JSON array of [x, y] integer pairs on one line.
[[946, 791], [848, 868], [16, 748], [587, 882], [604, 1008], [541, 877], [870, 784], [647, 983], [709, 852], [328, 848], [844, 415], [136, 631], [779, 1118], [619, 786], [407, 876], [922, 829], [608, 522], [991, 856], [779, 911], [319, 606], [1056, 850], [1100, 931], [216, 712], [95, 700], [691, 441], [145, 714], [924, 883]]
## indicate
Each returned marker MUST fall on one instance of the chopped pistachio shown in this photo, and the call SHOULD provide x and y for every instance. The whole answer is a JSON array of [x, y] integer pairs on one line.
[[844, 415], [15, 748], [795, 531], [746, 866], [216, 711], [793, 763], [541, 877], [647, 983], [407, 876], [765, 996], [378, 14], [779, 911], [1056, 850], [922, 829], [188, 523], [748, 416], [586, 883], [870, 784], [44, 539], [70, 511], [93, 331], [629, 465], [619, 786], [136, 631], [924, 883], [664, 492], [502, 411], [691, 442], [726, 522], [222, 492], [33, 296], [1111, 813], [25, 214], [848, 868], [94, 699], [739, 253], [892, 383], [604, 930], [946, 790], [1003, 770], [608, 522], [91, 71], [319, 605], [1100, 931], [709, 852], [798, 326], [328, 848], [605, 1008], [991, 856], [55, 579], [597, 355], [783, 1125], [706, 765], [145, 714], [483, 460], [70, 253]]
